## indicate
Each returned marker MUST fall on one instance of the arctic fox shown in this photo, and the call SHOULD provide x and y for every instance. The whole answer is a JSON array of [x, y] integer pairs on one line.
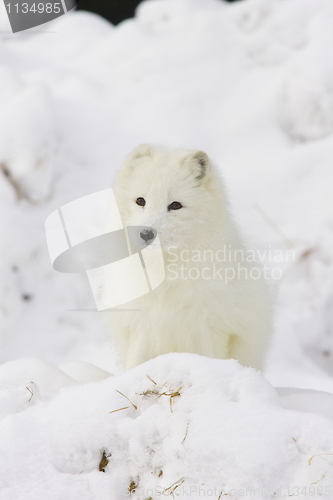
[[212, 301]]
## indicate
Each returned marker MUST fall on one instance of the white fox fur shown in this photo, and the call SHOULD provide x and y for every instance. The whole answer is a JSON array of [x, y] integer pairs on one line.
[[205, 315]]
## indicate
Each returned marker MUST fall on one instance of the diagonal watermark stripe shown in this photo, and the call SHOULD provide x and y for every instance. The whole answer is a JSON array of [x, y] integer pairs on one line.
[[87, 236]]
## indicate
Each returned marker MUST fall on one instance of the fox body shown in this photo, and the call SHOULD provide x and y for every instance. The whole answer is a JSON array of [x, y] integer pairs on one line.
[[207, 304]]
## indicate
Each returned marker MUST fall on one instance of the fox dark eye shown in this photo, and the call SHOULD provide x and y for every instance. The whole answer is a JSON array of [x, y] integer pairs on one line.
[[141, 202], [175, 205]]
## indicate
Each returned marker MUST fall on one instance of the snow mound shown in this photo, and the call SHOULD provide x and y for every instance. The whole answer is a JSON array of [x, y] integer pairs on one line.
[[177, 424], [170, 14], [306, 109], [306, 99], [22, 371], [84, 372], [27, 143], [306, 400]]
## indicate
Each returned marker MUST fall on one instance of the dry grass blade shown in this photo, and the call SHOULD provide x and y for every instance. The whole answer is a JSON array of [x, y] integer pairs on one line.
[[173, 395], [151, 380], [188, 423], [160, 394], [316, 482], [174, 486], [134, 406], [125, 408], [160, 391], [150, 392], [169, 394], [31, 392], [318, 455]]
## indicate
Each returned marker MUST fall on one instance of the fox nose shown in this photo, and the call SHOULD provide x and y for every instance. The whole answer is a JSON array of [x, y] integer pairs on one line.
[[147, 235]]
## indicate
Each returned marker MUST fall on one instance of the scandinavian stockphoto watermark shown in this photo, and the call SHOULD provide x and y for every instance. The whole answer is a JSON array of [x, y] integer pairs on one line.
[[88, 236], [178, 489], [123, 263], [227, 263], [29, 14]]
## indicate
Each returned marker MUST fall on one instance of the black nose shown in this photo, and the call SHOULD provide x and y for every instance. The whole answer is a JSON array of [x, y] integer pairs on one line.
[[147, 235]]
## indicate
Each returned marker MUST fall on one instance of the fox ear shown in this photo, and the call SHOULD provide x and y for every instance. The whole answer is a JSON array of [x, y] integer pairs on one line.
[[199, 162], [139, 151]]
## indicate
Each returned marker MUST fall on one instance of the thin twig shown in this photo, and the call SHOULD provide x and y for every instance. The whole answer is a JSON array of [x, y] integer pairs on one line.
[[318, 455], [316, 482], [125, 408], [31, 392], [274, 226], [188, 423]]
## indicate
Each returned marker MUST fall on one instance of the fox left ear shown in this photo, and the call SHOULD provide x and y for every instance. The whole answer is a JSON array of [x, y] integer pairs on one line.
[[139, 151], [200, 163]]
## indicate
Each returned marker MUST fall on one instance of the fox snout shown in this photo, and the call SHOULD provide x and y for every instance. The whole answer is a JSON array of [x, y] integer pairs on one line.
[[148, 235]]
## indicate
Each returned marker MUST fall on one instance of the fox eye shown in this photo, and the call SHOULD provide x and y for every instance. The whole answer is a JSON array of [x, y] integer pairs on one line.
[[175, 205], [141, 202]]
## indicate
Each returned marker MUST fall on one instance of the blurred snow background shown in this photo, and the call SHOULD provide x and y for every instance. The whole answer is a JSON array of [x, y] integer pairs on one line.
[[250, 83]]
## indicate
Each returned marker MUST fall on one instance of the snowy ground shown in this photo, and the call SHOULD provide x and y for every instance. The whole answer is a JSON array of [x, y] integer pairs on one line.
[[250, 83]]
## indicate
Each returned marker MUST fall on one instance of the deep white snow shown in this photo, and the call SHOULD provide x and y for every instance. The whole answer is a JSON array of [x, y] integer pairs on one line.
[[250, 83]]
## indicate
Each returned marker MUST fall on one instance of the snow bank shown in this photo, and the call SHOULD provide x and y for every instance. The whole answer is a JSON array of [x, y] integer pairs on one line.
[[180, 423]]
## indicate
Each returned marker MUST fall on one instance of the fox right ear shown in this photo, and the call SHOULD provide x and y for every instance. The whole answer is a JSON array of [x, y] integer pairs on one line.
[[139, 152], [199, 163]]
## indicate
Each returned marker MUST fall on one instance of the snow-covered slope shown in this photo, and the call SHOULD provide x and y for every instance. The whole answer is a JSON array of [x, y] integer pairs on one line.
[[180, 424], [250, 83]]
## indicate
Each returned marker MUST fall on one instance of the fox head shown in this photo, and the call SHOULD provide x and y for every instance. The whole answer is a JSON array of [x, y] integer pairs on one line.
[[178, 193]]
